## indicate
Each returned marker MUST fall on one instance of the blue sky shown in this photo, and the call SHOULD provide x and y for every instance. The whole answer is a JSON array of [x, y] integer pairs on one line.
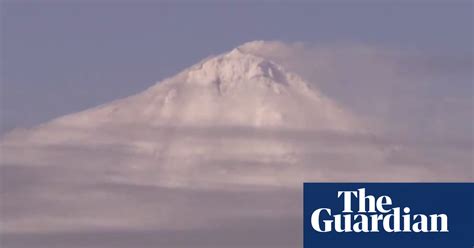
[[59, 58]]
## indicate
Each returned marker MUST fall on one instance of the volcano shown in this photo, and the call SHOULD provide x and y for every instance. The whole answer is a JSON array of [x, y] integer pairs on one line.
[[237, 109], [237, 88]]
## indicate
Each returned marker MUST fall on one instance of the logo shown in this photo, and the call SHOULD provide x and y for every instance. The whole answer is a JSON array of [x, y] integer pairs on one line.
[[372, 213], [388, 215]]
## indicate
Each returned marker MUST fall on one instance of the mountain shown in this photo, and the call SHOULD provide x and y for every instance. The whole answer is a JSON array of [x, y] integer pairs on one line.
[[237, 88], [238, 118], [212, 157]]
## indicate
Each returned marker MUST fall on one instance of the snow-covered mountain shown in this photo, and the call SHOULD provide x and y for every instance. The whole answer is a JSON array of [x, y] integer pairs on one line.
[[238, 118], [237, 88], [213, 119], [223, 146]]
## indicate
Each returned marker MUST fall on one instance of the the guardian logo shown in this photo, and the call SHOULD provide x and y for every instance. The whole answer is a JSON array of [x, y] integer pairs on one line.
[[388, 215], [374, 214]]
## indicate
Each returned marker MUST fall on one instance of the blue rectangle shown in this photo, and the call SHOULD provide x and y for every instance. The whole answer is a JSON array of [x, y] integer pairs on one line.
[[448, 205]]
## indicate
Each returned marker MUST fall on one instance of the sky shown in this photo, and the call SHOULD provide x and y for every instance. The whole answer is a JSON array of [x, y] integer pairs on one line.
[[62, 57]]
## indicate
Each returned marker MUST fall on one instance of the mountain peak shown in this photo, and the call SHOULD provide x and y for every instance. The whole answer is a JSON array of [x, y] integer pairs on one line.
[[237, 66]]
